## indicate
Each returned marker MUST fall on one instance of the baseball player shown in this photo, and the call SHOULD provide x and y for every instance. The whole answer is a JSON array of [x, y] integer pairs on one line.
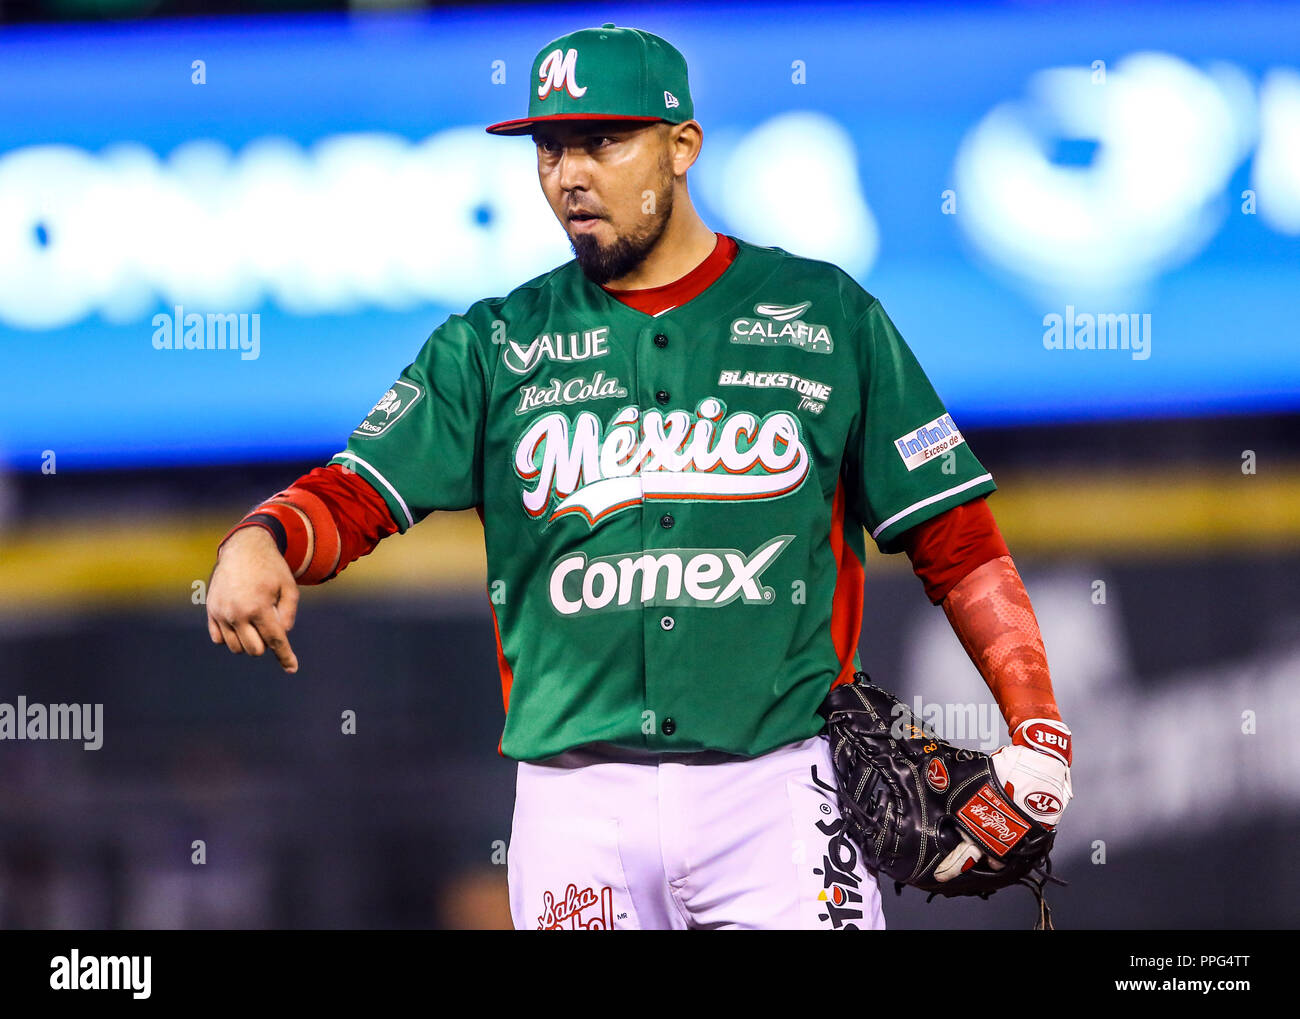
[[675, 442]]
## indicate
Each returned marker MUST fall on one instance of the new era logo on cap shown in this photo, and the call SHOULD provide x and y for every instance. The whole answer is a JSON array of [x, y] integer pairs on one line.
[[670, 100]]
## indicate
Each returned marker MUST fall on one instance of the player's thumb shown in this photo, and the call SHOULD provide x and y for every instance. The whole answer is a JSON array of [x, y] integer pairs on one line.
[[959, 860], [287, 606]]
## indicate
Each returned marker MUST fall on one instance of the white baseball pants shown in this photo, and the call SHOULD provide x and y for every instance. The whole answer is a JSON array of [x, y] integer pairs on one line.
[[606, 838]]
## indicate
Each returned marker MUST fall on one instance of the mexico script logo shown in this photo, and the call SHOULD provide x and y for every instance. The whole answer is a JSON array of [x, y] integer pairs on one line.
[[584, 468]]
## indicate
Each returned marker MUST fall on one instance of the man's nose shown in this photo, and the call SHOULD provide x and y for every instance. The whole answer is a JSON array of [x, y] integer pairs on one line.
[[574, 169]]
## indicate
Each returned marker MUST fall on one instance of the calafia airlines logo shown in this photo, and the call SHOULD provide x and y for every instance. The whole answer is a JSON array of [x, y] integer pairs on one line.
[[556, 71], [584, 468], [782, 325]]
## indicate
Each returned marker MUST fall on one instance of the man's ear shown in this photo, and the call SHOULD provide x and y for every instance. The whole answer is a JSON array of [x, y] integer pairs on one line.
[[684, 144]]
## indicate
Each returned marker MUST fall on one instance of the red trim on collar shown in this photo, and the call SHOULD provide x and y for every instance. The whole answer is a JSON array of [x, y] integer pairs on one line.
[[654, 300]]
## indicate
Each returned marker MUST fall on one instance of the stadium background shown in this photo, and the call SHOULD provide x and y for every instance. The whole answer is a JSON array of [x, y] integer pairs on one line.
[[977, 167]]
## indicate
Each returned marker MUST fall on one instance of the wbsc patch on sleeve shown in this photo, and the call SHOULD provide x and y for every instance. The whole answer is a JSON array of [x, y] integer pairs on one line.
[[934, 438], [391, 406]]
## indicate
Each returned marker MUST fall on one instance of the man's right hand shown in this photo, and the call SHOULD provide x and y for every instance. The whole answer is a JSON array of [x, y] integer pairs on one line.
[[252, 597]]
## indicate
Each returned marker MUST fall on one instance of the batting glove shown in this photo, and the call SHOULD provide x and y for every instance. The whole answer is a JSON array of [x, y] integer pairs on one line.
[[1034, 770]]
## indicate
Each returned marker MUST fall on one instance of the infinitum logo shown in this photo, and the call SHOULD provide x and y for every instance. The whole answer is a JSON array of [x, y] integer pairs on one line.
[[77, 972]]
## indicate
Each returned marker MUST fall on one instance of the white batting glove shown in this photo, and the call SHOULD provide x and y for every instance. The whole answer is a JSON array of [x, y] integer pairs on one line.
[[1034, 771]]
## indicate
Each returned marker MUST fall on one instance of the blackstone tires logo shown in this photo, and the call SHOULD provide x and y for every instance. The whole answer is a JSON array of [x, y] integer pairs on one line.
[[782, 325], [812, 394]]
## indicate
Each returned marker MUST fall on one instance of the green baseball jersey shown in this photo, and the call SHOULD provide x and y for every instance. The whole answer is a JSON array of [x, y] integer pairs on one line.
[[673, 505]]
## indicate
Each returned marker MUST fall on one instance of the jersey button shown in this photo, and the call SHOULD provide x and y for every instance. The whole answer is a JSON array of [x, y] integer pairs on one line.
[[661, 341], [669, 727], [662, 396], [666, 520], [667, 622]]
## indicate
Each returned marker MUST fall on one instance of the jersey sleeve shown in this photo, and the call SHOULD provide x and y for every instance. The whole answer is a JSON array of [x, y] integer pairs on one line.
[[906, 460], [421, 445]]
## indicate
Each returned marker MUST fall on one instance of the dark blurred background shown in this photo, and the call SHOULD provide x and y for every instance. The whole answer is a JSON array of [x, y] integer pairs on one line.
[[979, 168]]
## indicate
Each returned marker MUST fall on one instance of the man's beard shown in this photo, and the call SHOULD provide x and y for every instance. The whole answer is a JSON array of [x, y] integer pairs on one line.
[[602, 263]]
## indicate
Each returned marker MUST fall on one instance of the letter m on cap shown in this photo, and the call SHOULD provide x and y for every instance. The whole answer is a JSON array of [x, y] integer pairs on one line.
[[556, 72]]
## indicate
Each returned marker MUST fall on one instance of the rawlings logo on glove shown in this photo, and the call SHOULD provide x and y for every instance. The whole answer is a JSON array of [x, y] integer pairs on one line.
[[1034, 771], [943, 819]]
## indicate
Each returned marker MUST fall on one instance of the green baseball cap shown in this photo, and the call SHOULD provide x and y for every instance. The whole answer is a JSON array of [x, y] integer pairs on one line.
[[606, 73]]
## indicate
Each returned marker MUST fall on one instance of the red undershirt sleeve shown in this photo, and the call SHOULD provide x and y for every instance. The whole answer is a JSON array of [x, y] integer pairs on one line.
[[345, 518], [947, 547], [357, 510]]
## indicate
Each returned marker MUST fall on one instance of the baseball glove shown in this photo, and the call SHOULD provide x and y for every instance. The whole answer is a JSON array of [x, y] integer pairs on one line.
[[906, 796]]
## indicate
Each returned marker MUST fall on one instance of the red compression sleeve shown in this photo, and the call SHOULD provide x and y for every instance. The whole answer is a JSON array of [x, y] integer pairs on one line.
[[946, 548], [357, 513], [990, 612]]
